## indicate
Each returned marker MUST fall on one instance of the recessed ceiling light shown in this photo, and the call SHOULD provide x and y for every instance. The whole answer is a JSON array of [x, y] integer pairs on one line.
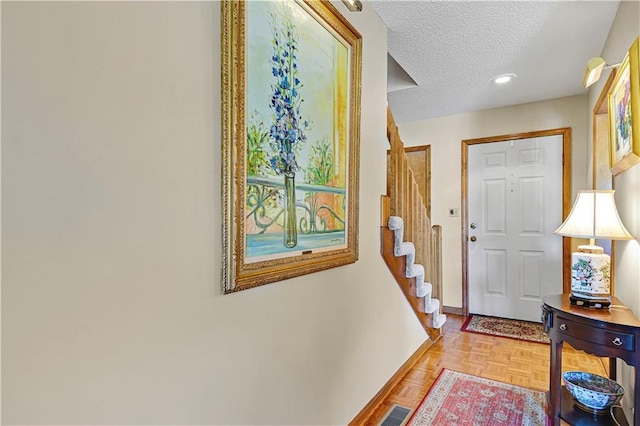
[[503, 78]]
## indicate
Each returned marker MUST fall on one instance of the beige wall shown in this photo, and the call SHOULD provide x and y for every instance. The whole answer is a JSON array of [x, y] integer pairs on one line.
[[445, 135], [111, 304], [623, 32]]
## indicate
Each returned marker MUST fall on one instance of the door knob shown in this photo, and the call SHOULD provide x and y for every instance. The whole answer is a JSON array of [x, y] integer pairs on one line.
[[473, 238]]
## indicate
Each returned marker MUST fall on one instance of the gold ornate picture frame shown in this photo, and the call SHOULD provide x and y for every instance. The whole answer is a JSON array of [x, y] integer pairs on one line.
[[291, 76], [624, 113]]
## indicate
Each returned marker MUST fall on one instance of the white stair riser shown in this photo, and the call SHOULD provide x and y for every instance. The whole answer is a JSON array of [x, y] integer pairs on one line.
[[431, 306], [424, 289], [438, 320]]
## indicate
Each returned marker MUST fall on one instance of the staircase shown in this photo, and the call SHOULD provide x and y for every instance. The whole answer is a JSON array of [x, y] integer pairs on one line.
[[415, 263], [423, 289]]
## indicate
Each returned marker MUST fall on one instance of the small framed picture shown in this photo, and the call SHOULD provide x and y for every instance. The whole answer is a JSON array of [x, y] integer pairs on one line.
[[624, 114]]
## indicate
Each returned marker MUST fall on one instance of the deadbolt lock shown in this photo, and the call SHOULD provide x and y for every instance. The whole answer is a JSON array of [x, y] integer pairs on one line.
[[473, 226]]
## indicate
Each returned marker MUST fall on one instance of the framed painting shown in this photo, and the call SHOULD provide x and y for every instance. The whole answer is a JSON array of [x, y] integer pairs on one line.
[[624, 114], [291, 75]]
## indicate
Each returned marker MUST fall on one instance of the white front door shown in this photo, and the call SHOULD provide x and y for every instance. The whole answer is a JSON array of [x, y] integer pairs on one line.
[[514, 204]]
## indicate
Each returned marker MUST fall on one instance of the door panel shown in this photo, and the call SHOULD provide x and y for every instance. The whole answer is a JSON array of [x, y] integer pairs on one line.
[[495, 264], [532, 263], [531, 196], [494, 205], [515, 202]]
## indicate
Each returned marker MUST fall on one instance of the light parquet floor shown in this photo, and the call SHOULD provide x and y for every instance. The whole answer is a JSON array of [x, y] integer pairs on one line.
[[512, 361]]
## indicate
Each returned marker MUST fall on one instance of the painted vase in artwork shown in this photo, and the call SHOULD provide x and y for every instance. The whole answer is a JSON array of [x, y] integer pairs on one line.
[[290, 231]]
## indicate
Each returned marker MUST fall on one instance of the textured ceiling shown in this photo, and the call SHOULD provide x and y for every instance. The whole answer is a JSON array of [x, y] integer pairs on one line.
[[444, 53]]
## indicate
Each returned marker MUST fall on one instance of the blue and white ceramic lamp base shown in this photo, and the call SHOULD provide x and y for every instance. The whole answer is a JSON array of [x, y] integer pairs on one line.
[[590, 274]]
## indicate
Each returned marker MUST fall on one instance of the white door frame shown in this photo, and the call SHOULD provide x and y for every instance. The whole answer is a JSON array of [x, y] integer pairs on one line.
[[566, 201]]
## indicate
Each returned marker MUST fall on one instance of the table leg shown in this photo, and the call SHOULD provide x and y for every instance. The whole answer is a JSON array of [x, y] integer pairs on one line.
[[555, 385], [613, 368], [636, 408]]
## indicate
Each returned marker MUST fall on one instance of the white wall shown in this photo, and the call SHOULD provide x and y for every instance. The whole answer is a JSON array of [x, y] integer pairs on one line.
[[623, 32], [111, 303], [445, 134]]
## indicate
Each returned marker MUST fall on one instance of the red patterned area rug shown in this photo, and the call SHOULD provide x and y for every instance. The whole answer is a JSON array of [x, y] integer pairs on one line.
[[502, 327], [461, 399]]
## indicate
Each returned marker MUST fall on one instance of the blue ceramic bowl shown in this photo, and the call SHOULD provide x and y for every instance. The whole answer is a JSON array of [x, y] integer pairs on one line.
[[592, 391]]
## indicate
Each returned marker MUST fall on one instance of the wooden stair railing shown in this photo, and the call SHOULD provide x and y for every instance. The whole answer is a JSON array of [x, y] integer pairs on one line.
[[403, 200], [406, 209]]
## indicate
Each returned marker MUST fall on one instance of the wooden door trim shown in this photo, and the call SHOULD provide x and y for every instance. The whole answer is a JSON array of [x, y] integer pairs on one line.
[[427, 152], [566, 201]]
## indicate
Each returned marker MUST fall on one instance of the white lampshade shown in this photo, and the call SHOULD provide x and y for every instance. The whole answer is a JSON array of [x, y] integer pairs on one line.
[[595, 66], [594, 215], [594, 70]]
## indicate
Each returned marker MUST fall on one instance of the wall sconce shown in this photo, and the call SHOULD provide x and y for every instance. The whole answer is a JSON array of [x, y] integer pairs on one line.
[[595, 66], [353, 5], [593, 215]]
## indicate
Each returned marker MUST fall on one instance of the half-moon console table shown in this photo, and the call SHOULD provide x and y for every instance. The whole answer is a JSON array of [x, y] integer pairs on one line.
[[612, 333]]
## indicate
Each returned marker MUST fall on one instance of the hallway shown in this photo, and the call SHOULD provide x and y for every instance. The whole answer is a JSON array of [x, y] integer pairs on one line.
[[507, 360]]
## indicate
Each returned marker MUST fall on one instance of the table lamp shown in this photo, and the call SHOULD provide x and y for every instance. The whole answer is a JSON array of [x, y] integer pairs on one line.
[[593, 215]]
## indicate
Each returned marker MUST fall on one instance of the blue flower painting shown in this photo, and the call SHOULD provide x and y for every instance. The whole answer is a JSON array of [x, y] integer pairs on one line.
[[297, 98], [291, 75], [622, 117], [288, 127]]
